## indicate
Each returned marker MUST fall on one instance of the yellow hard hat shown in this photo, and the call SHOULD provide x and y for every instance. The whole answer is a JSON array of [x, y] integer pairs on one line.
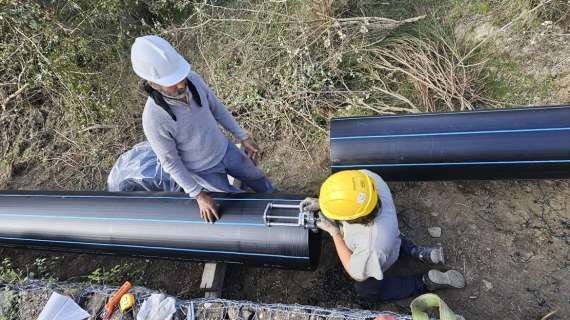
[[348, 195]]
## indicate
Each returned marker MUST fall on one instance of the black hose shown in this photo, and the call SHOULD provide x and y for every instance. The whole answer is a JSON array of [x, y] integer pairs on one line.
[[532, 142]]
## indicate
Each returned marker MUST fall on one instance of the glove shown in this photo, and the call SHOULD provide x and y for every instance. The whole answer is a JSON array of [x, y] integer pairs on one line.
[[157, 307], [310, 205], [328, 225]]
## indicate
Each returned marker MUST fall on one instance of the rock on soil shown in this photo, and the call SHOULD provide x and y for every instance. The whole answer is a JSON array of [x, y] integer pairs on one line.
[[32, 303], [293, 314], [435, 232], [488, 285], [210, 311], [236, 312], [263, 314]]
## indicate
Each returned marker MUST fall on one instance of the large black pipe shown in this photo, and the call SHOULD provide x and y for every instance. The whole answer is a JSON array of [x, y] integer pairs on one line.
[[532, 142], [156, 225]]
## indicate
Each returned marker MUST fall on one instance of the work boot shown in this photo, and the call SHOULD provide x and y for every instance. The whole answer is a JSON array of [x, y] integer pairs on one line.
[[429, 255], [436, 280]]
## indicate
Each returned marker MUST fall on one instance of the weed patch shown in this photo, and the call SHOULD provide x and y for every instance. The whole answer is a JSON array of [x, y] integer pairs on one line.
[[116, 275]]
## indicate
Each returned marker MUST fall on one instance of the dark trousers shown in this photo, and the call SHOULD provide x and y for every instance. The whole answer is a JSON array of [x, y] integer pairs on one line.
[[393, 288]]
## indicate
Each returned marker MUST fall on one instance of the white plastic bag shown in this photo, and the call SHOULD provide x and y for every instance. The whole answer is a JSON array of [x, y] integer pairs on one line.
[[157, 307], [61, 307], [138, 169]]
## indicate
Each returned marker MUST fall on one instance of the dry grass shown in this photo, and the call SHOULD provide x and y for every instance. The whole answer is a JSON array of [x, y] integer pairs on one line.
[[438, 69], [286, 70], [281, 68], [532, 12], [70, 104], [63, 117]]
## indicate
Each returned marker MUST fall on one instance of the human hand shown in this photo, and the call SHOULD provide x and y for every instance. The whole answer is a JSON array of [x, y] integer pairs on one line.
[[328, 225], [208, 207], [251, 148], [310, 205]]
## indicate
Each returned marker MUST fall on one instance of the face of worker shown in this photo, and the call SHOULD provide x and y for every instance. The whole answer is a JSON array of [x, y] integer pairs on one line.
[[176, 91]]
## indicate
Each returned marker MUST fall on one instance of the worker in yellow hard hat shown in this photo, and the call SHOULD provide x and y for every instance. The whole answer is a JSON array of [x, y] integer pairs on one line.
[[358, 211]]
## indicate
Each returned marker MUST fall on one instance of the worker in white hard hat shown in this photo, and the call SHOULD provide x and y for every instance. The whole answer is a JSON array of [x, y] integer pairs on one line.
[[181, 121], [357, 210]]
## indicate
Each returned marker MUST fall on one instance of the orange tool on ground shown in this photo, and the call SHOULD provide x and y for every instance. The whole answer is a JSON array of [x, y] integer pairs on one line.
[[114, 300]]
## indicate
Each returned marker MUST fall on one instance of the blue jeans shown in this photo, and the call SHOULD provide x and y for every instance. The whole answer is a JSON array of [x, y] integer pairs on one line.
[[238, 165], [393, 288]]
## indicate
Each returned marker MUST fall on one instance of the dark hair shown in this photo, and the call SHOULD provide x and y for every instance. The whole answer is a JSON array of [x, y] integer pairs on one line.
[[369, 218]]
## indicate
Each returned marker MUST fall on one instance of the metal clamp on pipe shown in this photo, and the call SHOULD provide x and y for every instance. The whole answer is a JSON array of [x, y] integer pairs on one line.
[[289, 215]]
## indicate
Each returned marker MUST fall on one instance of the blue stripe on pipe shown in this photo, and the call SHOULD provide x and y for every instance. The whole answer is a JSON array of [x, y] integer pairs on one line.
[[454, 113], [129, 219], [452, 133], [447, 163], [154, 248], [136, 197]]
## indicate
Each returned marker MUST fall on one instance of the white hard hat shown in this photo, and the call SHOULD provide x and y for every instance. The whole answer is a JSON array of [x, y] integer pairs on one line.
[[155, 60]]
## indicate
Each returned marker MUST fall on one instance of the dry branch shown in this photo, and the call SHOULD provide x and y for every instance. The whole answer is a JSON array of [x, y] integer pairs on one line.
[[13, 95]]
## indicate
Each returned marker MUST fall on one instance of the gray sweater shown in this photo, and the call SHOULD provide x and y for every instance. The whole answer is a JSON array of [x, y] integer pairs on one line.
[[194, 142]]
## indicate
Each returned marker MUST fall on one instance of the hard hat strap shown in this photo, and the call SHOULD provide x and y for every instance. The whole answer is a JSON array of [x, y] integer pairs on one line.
[[161, 102], [194, 91]]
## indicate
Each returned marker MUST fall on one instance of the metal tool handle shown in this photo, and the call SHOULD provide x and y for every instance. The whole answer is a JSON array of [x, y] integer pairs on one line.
[[306, 220], [296, 220]]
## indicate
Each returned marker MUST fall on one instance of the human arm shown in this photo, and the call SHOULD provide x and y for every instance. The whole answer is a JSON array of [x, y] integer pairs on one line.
[[360, 261], [342, 250], [224, 117], [160, 136], [330, 226], [221, 113]]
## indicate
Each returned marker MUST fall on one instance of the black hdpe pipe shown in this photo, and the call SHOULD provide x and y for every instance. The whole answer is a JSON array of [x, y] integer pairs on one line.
[[531, 142], [166, 225]]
